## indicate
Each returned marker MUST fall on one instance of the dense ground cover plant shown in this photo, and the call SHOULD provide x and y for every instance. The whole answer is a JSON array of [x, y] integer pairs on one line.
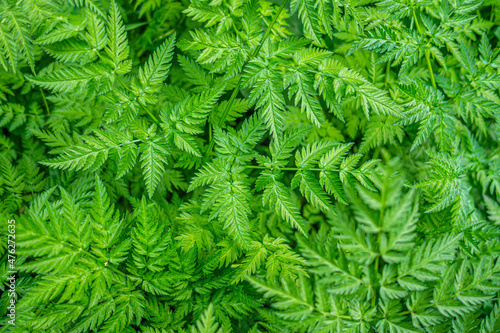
[[251, 166]]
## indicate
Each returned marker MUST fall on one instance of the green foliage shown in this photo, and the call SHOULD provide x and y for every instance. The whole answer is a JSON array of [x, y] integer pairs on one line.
[[250, 166]]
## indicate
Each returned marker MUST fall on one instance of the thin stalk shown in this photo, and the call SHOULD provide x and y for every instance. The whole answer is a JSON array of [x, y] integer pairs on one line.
[[387, 71], [428, 306], [492, 15], [298, 169], [255, 167], [416, 22], [142, 106], [114, 269], [238, 85], [44, 101], [427, 54], [149, 113], [259, 167]]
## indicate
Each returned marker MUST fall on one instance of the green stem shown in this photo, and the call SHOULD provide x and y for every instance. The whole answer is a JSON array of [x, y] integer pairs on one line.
[[149, 113], [116, 270], [427, 56], [44, 100], [142, 106], [259, 167], [238, 85], [210, 130], [492, 15], [255, 167], [298, 169], [427, 53], [327, 314], [387, 71], [428, 306], [416, 22], [270, 27]]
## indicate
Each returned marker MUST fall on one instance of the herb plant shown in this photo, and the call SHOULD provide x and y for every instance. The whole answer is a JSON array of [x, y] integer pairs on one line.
[[250, 166]]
